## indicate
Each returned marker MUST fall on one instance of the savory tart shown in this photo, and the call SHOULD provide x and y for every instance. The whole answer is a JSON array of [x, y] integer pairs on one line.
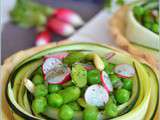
[[82, 81]]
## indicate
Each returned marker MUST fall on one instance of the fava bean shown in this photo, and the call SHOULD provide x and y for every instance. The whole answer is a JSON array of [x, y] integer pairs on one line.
[[93, 77], [122, 95], [40, 90], [39, 104], [52, 88], [90, 113], [74, 106], [55, 100], [127, 84], [70, 94], [37, 79], [66, 113], [111, 109]]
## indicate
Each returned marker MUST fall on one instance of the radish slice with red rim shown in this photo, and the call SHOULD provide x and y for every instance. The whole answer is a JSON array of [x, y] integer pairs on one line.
[[59, 75], [50, 64], [61, 55], [124, 70], [96, 95], [106, 81]]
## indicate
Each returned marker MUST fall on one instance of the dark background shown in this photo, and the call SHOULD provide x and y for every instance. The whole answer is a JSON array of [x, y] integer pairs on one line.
[[15, 38]]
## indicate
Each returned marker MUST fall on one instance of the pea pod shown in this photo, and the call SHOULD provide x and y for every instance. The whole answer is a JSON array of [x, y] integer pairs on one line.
[[70, 94]]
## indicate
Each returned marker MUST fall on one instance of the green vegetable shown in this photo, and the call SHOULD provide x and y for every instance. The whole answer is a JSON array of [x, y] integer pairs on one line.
[[66, 113], [74, 57], [39, 104], [122, 95], [155, 28], [37, 79], [70, 94], [127, 84], [52, 88], [74, 106], [93, 77], [120, 2], [138, 10], [111, 109], [90, 113], [55, 100], [36, 13], [114, 79], [82, 102], [40, 90], [109, 68], [79, 75]]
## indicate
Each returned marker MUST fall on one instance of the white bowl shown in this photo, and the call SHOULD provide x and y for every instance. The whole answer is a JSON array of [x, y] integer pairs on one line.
[[140, 35]]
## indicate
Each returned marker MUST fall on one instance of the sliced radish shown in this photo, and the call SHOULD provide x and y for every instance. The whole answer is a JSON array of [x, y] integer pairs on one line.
[[106, 81], [110, 55], [96, 95], [61, 55], [50, 63], [29, 85], [58, 76], [124, 70]]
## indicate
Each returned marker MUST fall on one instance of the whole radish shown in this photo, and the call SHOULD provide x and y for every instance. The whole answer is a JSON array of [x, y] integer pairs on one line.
[[60, 27], [68, 16], [43, 38]]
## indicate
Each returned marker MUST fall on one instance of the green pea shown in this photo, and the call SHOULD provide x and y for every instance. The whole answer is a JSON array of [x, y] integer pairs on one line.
[[66, 113], [111, 109], [122, 95], [37, 79], [93, 77], [90, 113], [74, 57], [74, 106], [55, 100], [127, 84], [79, 75], [40, 90], [52, 88], [70, 94], [155, 28], [138, 10], [39, 104]]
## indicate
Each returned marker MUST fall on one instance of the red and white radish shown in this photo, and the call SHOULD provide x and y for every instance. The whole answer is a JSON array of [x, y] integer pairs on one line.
[[50, 63], [43, 38], [106, 81], [59, 76], [69, 16], [96, 95], [110, 55], [124, 70], [61, 55], [60, 27]]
